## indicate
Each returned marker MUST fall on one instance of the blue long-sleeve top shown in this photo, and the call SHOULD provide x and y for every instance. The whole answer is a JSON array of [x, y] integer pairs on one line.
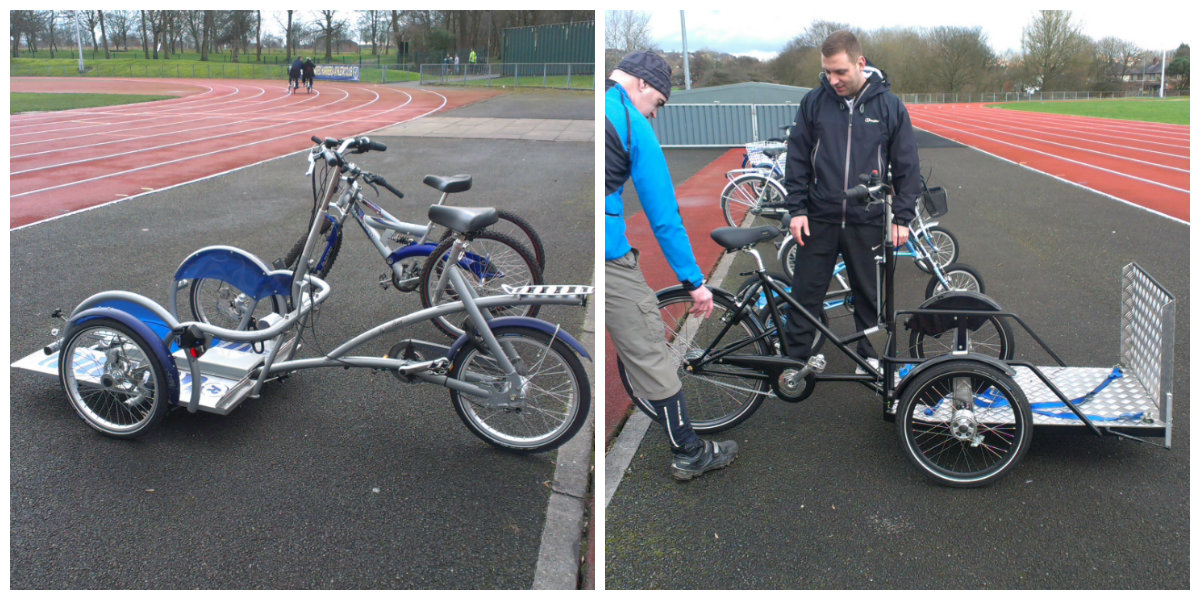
[[632, 151]]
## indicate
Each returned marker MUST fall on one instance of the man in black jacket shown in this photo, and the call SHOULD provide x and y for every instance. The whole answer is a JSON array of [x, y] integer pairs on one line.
[[852, 124]]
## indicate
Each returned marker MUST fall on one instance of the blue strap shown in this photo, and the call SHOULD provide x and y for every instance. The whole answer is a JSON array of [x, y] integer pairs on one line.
[[992, 398]]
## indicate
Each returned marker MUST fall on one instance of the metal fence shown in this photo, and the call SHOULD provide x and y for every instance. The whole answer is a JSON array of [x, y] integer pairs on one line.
[[546, 75], [729, 125], [1027, 97], [720, 125]]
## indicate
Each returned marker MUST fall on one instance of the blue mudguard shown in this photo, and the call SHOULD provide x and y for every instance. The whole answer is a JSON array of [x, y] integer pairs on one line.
[[131, 315], [529, 323], [237, 268]]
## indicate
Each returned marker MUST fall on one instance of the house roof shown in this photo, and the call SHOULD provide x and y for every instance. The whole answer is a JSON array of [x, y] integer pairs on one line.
[[750, 92]]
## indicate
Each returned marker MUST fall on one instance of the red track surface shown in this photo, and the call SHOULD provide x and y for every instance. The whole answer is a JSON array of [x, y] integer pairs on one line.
[[701, 214], [66, 161], [1146, 164]]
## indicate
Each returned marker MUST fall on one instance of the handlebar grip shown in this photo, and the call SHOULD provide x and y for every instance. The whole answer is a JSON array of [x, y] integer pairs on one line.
[[387, 186], [365, 144], [316, 140], [858, 193]]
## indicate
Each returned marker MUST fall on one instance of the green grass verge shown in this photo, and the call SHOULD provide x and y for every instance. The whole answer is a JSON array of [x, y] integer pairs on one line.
[[25, 102], [1157, 110], [562, 82], [180, 68]]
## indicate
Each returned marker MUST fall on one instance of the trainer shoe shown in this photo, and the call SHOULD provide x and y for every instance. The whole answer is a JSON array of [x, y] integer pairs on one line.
[[714, 455], [874, 362]]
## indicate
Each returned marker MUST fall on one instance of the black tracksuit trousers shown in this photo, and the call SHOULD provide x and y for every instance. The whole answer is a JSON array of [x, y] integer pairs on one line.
[[815, 260]]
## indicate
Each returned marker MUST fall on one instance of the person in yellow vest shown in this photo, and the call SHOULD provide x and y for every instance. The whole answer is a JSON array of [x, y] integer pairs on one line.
[[471, 58]]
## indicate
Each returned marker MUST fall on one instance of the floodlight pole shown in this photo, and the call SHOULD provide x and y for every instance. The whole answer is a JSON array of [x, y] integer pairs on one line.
[[79, 42], [1162, 79], [687, 71]]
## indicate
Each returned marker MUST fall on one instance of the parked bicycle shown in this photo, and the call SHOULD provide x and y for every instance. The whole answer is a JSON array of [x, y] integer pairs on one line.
[[492, 260]]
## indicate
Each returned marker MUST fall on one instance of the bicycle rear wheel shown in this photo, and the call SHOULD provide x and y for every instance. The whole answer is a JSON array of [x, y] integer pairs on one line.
[[519, 229], [491, 260], [718, 396], [548, 409], [745, 196]]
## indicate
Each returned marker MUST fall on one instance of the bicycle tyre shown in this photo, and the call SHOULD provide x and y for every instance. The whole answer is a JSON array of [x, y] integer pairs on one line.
[[745, 193], [943, 245], [220, 303], [501, 254], [960, 277], [527, 233], [964, 446], [711, 407], [560, 380], [127, 398], [992, 338], [328, 244]]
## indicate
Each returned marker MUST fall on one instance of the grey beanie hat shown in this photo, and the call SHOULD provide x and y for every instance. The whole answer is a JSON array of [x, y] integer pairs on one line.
[[651, 67]]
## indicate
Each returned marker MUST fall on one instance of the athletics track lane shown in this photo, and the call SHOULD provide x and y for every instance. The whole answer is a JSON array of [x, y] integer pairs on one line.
[[66, 161], [1146, 164]]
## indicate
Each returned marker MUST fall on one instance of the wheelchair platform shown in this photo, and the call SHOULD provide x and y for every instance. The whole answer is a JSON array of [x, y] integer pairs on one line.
[[224, 372]]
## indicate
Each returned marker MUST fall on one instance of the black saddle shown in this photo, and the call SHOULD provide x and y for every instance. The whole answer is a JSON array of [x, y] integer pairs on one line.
[[448, 183], [773, 152], [461, 219], [732, 238]]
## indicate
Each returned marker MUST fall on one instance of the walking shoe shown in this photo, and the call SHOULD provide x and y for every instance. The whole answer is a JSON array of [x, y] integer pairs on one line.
[[714, 455], [874, 362]]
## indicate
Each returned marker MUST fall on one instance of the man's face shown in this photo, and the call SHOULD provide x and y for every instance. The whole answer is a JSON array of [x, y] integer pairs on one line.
[[647, 100], [845, 76]]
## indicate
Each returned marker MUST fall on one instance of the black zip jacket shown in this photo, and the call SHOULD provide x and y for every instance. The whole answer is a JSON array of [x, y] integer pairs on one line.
[[820, 166]]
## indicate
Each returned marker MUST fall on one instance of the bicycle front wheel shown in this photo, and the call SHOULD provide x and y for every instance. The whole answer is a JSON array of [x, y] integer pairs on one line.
[[113, 378], [491, 259], [718, 396], [956, 278], [219, 303], [325, 252], [941, 245], [541, 412], [964, 423]]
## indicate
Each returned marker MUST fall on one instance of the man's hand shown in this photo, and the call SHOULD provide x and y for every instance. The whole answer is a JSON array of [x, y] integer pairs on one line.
[[899, 234], [702, 302], [797, 225]]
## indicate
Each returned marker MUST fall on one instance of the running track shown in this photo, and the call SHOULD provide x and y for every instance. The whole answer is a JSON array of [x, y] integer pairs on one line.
[[66, 161], [1146, 164]]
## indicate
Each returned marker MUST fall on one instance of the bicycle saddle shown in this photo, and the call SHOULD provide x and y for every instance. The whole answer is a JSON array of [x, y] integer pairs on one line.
[[448, 183], [732, 238], [461, 219], [773, 152]]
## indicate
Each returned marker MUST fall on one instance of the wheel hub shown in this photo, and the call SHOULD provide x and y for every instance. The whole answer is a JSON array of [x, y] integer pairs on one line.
[[965, 428]]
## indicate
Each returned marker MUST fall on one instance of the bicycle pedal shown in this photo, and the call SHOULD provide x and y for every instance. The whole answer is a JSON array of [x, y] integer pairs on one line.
[[817, 363], [385, 280]]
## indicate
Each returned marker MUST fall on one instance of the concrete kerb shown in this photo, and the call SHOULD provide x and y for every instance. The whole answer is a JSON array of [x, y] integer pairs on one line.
[[559, 557]]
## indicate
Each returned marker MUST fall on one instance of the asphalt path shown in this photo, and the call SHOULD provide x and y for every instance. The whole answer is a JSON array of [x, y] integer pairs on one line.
[[333, 478], [821, 497]]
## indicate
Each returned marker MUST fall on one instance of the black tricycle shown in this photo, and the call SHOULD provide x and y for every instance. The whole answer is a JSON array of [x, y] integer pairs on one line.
[[964, 406]]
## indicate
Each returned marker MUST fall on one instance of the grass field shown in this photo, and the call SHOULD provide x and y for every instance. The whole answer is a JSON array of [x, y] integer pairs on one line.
[[1173, 110], [23, 102], [181, 68]]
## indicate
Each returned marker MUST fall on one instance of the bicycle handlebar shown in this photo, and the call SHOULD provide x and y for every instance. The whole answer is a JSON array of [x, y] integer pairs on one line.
[[359, 145], [373, 178]]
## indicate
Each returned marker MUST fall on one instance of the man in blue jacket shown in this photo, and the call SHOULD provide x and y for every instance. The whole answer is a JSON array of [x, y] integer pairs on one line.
[[852, 124], [640, 85]]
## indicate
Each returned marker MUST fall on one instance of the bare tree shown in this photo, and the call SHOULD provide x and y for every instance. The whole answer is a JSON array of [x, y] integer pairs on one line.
[[103, 33], [89, 23], [210, 19], [145, 39], [625, 31], [258, 34], [330, 28], [1053, 48], [959, 58]]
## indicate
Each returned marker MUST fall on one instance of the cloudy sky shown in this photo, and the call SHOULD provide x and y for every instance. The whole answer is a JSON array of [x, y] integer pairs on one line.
[[763, 34]]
